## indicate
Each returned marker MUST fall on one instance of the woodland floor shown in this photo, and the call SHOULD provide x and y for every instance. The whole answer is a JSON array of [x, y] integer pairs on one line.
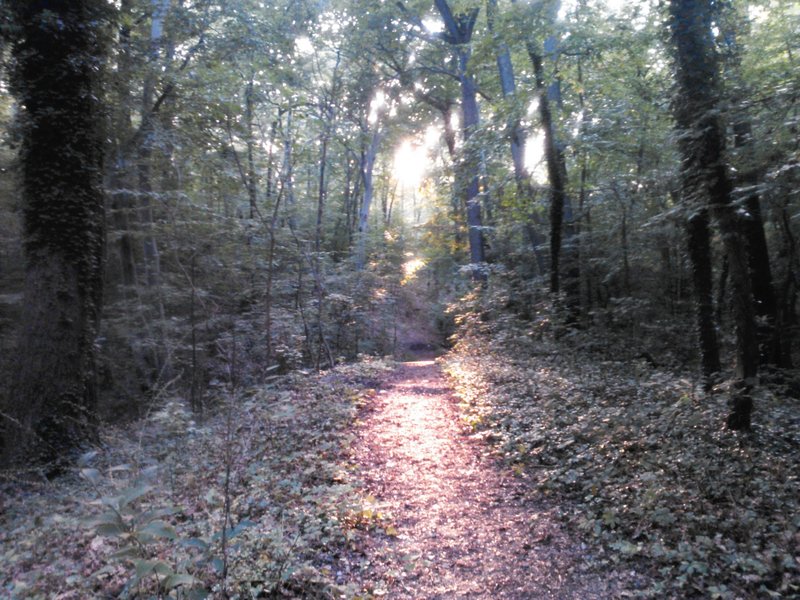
[[530, 469], [461, 524]]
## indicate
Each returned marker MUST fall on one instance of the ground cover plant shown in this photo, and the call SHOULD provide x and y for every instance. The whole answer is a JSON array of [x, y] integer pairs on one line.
[[257, 501], [650, 474]]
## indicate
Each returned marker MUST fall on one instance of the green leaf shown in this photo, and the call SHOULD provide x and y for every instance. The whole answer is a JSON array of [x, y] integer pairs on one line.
[[178, 579], [195, 543], [106, 518], [149, 472], [93, 476], [218, 565], [158, 529], [111, 530], [131, 494], [148, 567], [86, 458], [125, 553], [240, 527], [155, 513]]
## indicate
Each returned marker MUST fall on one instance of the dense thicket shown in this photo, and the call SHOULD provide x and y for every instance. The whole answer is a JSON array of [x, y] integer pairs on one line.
[[270, 167]]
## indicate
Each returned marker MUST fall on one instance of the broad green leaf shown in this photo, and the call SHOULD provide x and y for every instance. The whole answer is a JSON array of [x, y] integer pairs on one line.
[[240, 527], [92, 475], [132, 494], [194, 543], [178, 579], [107, 518], [125, 553], [158, 529], [147, 567], [86, 458], [155, 513], [218, 565], [111, 530]]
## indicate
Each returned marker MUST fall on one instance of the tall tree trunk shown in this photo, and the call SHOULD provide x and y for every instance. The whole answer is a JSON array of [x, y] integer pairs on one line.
[[367, 168], [562, 222], [152, 259], [122, 200], [705, 176], [252, 177], [328, 116], [505, 70], [322, 192], [59, 53], [288, 174], [699, 243], [459, 34]]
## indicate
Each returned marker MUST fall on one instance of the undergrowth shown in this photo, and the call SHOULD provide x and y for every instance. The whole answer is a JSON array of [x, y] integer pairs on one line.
[[638, 457], [256, 502]]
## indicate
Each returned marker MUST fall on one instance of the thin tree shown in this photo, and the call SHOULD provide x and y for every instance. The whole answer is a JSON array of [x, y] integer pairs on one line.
[[59, 53]]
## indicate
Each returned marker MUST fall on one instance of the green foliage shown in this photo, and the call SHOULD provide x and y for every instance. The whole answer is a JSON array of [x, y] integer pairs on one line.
[[137, 524]]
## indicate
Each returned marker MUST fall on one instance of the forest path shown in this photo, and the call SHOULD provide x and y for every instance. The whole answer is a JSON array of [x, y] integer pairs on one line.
[[461, 525]]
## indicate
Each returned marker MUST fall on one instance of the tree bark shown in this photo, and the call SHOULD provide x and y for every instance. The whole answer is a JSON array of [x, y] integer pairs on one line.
[[122, 200], [562, 222], [459, 34], [705, 176], [505, 69], [367, 168], [152, 258], [699, 245], [252, 176], [766, 304], [58, 56]]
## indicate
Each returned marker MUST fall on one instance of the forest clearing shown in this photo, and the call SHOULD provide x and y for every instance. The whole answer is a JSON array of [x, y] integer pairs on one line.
[[419, 299]]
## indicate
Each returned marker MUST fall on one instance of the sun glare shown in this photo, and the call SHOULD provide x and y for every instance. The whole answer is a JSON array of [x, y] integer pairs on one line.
[[410, 269], [377, 104], [410, 164], [304, 45], [534, 157]]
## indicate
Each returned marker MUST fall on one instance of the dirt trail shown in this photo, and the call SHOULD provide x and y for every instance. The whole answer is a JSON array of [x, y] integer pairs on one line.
[[464, 528]]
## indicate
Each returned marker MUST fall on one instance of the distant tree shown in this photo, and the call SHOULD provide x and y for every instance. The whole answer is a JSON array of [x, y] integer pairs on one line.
[[58, 54], [705, 177]]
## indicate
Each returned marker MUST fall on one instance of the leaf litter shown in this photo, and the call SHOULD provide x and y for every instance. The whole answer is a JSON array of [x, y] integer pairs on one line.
[[637, 457], [455, 524]]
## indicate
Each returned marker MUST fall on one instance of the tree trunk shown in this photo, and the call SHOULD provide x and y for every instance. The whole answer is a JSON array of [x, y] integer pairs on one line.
[[562, 223], [367, 168], [122, 200], [705, 176], [505, 70], [770, 343], [766, 304], [459, 34], [58, 56], [477, 252], [699, 244], [152, 259], [252, 176]]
